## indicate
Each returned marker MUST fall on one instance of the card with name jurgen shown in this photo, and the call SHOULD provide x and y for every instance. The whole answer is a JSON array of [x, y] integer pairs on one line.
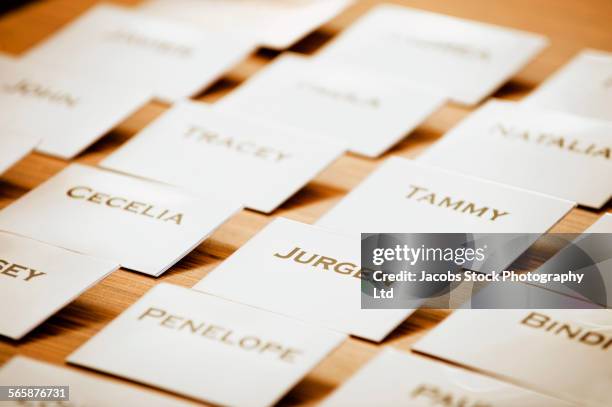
[[583, 87], [418, 45], [203, 150], [395, 378], [541, 150], [69, 111], [207, 348], [142, 225], [121, 45], [85, 388], [37, 279], [288, 262], [366, 111], [14, 146], [270, 23]]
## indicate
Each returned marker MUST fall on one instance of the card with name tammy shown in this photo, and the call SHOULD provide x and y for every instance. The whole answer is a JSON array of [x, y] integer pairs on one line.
[[84, 389], [37, 279], [142, 225], [395, 378], [207, 348], [541, 150], [14, 146], [466, 59], [122, 46], [583, 87], [366, 111], [202, 150], [304, 272]]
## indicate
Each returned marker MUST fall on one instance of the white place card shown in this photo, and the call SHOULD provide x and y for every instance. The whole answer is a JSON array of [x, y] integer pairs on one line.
[[67, 110], [36, 280], [271, 23], [366, 111], [122, 46], [207, 348], [289, 262], [467, 59], [395, 378], [142, 225], [555, 153], [14, 146], [203, 150], [583, 87]]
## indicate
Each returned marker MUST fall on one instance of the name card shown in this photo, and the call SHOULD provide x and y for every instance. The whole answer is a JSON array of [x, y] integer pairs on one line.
[[122, 46], [36, 280], [540, 150], [418, 45], [203, 347], [69, 111], [368, 113], [142, 225], [395, 378], [583, 87], [288, 261], [13, 147], [202, 150]]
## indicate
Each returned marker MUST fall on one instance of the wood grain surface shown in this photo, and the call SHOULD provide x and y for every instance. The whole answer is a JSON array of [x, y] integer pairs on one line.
[[571, 26]]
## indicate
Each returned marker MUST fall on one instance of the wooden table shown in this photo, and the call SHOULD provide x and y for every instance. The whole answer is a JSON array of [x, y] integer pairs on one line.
[[570, 24]]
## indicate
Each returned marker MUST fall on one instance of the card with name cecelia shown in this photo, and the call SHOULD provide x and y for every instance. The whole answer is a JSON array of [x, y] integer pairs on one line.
[[142, 225], [304, 272], [200, 149], [37, 279], [200, 346]]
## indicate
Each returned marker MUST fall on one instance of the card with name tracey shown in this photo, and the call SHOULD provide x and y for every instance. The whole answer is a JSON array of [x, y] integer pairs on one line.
[[395, 378], [202, 150], [144, 226], [418, 45], [122, 46], [37, 279], [14, 146], [304, 272], [366, 111], [207, 348], [540, 150]]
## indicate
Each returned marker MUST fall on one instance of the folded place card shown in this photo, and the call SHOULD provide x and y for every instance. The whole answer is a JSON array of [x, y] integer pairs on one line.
[[142, 225], [271, 23], [467, 59], [304, 272], [395, 378], [207, 348], [14, 146], [582, 87], [67, 110], [36, 280], [364, 110], [202, 150], [555, 153], [123, 46]]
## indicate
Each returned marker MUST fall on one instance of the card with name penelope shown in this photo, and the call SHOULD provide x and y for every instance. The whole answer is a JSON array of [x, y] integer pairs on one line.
[[121, 45], [418, 45], [85, 389], [36, 280], [395, 378], [14, 146], [583, 87], [142, 225], [203, 150], [366, 111], [68, 111], [207, 348], [269, 23], [555, 153], [288, 261]]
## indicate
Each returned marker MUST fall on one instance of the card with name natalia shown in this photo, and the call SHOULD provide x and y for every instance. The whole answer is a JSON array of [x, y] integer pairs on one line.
[[201, 346], [200, 149], [541, 150], [142, 225], [14, 146], [172, 60]]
